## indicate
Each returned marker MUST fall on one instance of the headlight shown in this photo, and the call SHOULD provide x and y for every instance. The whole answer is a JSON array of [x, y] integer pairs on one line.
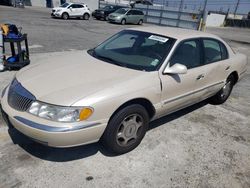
[[58, 10], [102, 12], [60, 113]]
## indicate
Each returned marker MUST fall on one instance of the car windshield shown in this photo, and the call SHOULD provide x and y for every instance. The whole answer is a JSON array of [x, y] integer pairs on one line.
[[134, 49], [64, 5], [121, 11]]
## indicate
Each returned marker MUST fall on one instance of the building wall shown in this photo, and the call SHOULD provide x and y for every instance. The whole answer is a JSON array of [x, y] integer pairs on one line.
[[92, 4], [37, 3]]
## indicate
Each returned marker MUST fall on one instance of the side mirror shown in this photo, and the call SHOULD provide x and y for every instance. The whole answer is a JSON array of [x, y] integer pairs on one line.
[[176, 69], [70, 8]]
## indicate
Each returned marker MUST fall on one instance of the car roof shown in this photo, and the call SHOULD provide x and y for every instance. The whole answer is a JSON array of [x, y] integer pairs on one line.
[[174, 32]]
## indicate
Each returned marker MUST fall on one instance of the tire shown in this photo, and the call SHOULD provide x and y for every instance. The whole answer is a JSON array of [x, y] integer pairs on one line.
[[106, 18], [123, 22], [126, 129], [224, 93], [86, 16], [140, 22], [65, 16]]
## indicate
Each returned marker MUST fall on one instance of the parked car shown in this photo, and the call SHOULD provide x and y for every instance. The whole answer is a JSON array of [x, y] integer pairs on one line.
[[127, 15], [104, 12], [71, 10], [111, 92], [144, 2]]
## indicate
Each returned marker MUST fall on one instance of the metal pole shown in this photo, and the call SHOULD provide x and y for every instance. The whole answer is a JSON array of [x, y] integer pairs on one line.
[[204, 10], [204, 15], [179, 16], [236, 7]]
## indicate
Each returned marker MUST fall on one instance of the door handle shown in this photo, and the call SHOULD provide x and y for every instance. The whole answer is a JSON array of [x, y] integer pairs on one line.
[[228, 67], [201, 76]]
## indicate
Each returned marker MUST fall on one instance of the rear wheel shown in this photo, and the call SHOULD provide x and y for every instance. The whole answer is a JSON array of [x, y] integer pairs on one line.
[[126, 129], [65, 16], [123, 22], [86, 16], [225, 91]]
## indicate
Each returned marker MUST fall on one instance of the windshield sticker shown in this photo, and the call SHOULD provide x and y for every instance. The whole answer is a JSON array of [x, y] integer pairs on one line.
[[158, 38], [155, 62]]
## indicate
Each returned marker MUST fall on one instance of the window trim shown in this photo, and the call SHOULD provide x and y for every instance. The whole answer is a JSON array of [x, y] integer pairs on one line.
[[220, 45], [178, 45]]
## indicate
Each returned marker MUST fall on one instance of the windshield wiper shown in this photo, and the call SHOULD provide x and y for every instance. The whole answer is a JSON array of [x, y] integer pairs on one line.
[[110, 60]]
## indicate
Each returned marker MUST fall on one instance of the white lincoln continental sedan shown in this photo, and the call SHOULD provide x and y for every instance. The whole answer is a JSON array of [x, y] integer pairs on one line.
[[111, 92]]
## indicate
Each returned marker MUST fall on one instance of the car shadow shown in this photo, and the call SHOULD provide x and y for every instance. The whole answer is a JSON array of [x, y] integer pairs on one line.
[[69, 154]]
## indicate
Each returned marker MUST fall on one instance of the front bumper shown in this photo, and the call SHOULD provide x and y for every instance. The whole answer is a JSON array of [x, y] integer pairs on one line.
[[58, 135], [98, 15], [56, 14], [115, 20]]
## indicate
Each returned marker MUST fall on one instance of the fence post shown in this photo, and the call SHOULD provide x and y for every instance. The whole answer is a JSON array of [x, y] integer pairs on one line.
[[162, 9], [179, 15], [147, 14]]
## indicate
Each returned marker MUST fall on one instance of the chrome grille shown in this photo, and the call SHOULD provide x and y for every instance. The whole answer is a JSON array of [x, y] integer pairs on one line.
[[18, 97]]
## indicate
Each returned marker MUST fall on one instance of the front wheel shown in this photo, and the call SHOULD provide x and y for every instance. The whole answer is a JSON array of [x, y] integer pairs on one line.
[[225, 91], [65, 16], [126, 129], [123, 22], [140, 22]]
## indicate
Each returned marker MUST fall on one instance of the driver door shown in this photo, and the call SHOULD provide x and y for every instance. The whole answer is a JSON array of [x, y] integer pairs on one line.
[[181, 90], [129, 16], [73, 10]]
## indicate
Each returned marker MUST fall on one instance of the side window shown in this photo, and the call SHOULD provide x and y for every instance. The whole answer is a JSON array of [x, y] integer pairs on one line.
[[74, 6], [188, 53], [212, 50], [224, 53], [129, 12]]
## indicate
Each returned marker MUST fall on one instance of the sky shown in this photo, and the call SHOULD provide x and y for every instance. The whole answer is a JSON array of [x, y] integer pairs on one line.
[[216, 5]]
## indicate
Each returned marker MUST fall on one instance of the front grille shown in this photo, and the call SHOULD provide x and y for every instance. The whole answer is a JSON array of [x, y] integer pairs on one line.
[[53, 10], [18, 97], [19, 102]]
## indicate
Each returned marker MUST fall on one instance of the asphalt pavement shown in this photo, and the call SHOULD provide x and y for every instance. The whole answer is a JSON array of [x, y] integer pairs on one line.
[[201, 146]]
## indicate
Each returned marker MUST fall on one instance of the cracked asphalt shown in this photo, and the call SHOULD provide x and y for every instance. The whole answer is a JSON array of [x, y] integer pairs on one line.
[[200, 146]]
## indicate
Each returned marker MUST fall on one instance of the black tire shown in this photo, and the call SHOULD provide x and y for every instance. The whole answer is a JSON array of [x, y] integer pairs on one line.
[[224, 93], [86, 16], [123, 22], [140, 22], [106, 18], [65, 16], [136, 118]]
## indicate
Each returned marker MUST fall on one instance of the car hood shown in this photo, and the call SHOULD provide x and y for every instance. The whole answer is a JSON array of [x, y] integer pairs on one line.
[[63, 80], [116, 14]]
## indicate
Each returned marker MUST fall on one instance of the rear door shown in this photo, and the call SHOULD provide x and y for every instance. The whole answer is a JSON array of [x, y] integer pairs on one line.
[[81, 9], [216, 66]]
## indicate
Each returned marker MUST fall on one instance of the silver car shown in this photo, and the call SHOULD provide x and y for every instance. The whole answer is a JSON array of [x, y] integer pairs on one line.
[[126, 15], [112, 92]]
